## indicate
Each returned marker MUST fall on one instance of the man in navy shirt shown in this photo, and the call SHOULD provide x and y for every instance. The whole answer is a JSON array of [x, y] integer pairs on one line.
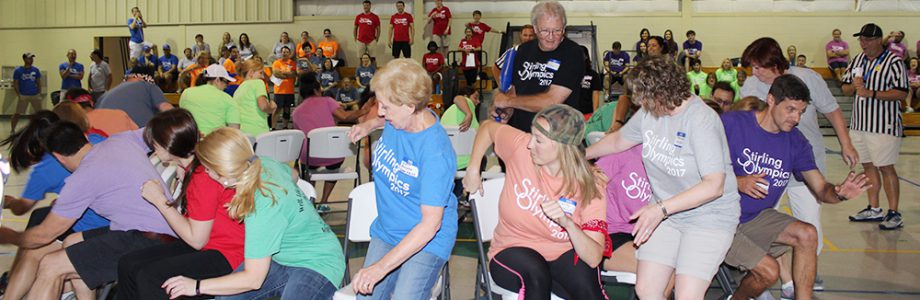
[[27, 86], [766, 152], [168, 70], [71, 73]]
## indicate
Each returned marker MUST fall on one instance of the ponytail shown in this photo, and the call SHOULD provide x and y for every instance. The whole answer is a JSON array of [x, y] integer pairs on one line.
[[243, 202], [227, 152], [26, 147]]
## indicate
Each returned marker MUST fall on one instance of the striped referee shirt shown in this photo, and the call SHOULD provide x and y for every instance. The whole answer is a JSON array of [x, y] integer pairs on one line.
[[886, 72]]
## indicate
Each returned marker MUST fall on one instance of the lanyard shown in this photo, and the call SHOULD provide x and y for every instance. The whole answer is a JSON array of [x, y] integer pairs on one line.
[[875, 63]]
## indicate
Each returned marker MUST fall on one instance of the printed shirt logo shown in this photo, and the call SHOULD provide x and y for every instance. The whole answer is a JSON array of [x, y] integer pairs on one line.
[[386, 163], [586, 82], [401, 21], [661, 151], [538, 71], [753, 162], [637, 187], [616, 61], [529, 199], [28, 76], [365, 21]]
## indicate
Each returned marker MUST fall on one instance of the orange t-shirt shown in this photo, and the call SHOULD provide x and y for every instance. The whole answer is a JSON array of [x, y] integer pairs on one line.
[[112, 121], [329, 47], [287, 85], [301, 53], [194, 72], [231, 68], [521, 221]]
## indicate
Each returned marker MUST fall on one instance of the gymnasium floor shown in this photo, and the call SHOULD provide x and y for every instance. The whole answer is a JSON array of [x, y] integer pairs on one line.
[[859, 261]]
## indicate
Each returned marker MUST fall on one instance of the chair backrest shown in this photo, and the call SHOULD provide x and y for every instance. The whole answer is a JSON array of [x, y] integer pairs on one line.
[[485, 207], [362, 210], [157, 164], [281, 145], [594, 137], [169, 175], [307, 190], [461, 141], [330, 142]]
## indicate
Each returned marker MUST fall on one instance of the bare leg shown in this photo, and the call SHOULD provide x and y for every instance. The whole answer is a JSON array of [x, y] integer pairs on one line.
[[874, 180], [892, 186], [785, 268], [763, 275], [624, 260], [691, 288], [327, 190], [9, 236], [52, 271], [649, 283], [25, 265], [80, 289], [804, 241]]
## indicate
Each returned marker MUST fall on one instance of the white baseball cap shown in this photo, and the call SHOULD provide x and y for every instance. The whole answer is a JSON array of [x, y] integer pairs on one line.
[[218, 71]]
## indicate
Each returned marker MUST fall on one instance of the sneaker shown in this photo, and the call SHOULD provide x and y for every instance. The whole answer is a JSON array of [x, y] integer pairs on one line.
[[765, 296], [322, 208], [69, 296], [868, 215], [819, 283], [787, 293], [892, 221]]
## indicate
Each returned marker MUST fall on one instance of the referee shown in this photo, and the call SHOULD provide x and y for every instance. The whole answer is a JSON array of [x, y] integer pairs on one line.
[[879, 80]]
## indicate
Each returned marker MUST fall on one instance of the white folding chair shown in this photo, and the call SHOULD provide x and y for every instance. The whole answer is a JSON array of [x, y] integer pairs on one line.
[[157, 164], [462, 142], [281, 145], [332, 142], [362, 210], [307, 190], [594, 137], [485, 219]]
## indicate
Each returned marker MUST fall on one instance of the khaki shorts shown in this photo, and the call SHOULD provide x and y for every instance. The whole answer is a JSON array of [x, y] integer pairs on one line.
[[757, 238], [442, 40], [691, 251], [879, 149], [22, 105]]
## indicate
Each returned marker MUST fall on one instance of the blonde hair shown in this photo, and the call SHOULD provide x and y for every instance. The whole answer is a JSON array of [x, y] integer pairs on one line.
[[251, 66], [227, 152], [579, 178], [403, 82], [749, 103], [74, 113]]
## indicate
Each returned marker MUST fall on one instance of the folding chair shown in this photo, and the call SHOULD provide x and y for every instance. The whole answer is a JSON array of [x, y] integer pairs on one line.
[[485, 219], [362, 210], [332, 142], [307, 190], [624, 278], [281, 145], [462, 142], [594, 137]]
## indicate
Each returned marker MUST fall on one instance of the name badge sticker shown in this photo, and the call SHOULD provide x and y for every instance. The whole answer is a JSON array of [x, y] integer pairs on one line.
[[553, 64], [568, 205], [681, 137], [407, 168]]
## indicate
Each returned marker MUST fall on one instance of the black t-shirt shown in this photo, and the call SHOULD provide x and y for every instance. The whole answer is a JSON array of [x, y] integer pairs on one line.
[[535, 70], [591, 82]]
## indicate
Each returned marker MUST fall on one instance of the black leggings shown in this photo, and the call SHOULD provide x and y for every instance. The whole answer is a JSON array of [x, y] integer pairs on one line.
[[142, 272], [470, 76], [524, 270]]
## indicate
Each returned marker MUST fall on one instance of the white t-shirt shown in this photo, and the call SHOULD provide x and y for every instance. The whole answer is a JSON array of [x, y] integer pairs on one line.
[[99, 73]]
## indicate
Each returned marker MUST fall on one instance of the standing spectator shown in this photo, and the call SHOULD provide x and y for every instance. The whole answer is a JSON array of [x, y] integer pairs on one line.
[[791, 54], [186, 61], [252, 99], [226, 41], [402, 31], [440, 17], [329, 45], [71, 73], [283, 42], [644, 34], [305, 48], [200, 46], [209, 104], [138, 96], [838, 54], [671, 44], [247, 49], [471, 47], [879, 81], [304, 63], [434, 63], [697, 77], [169, 68], [328, 77], [546, 72], [591, 86], [479, 28], [527, 34], [365, 72], [100, 75], [367, 29], [800, 61], [285, 69], [692, 47], [894, 44], [726, 72], [27, 86], [913, 77], [616, 63], [136, 25]]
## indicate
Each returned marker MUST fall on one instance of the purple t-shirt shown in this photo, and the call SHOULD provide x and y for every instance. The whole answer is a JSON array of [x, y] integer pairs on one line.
[[837, 46], [898, 49], [754, 151], [617, 63], [109, 181], [628, 189], [315, 112], [696, 46]]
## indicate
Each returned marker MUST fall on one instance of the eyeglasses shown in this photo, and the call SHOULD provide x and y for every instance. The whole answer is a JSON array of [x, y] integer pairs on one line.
[[547, 32]]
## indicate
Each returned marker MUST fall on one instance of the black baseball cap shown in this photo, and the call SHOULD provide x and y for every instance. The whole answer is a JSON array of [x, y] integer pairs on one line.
[[870, 30]]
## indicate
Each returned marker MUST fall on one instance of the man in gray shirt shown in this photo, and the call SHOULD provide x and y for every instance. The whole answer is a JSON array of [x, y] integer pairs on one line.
[[138, 96]]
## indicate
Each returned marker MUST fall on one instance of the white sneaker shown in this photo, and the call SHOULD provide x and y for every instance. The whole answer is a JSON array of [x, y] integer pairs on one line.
[[765, 296]]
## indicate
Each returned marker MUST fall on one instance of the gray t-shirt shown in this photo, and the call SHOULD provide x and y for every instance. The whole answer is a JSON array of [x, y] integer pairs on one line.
[[99, 73], [140, 100], [677, 152], [821, 101]]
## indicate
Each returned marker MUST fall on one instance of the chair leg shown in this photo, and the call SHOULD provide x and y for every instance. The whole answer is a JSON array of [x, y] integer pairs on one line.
[[725, 281]]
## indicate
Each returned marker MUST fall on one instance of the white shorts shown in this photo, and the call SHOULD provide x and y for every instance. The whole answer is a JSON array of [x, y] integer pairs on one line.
[[137, 49], [879, 149], [691, 251]]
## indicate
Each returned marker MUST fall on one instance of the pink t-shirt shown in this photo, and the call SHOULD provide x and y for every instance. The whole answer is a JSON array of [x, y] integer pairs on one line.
[[913, 77], [897, 49], [837, 46], [521, 221], [315, 112], [628, 189]]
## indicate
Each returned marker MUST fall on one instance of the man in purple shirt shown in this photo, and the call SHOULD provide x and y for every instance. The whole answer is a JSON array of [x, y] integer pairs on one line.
[[107, 178], [766, 152], [617, 63], [895, 46]]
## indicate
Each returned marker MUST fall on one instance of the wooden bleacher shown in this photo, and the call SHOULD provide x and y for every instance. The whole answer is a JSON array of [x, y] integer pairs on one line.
[[912, 124]]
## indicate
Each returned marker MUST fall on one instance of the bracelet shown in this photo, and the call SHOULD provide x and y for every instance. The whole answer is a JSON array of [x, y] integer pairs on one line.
[[664, 210], [198, 287]]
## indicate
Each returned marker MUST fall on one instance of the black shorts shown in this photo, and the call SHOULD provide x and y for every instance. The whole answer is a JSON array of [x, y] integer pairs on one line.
[[838, 65], [96, 258], [331, 167], [618, 239], [284, 100], [402, 47]]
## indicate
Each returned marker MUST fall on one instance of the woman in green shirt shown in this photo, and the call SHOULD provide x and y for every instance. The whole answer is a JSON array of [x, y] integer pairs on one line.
[[252, 99], [289, 250]]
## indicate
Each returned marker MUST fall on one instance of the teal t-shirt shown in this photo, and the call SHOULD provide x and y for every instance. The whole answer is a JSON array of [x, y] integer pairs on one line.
[[252, 119], [453, 116], [601, 119], [289, 230]]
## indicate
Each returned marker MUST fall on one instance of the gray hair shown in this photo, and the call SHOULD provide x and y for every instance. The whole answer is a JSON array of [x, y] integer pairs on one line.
[[548, 8]]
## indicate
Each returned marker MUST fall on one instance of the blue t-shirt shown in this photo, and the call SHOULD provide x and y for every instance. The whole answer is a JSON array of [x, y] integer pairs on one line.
[[328, 77], [754, 151], [411, 170], [28, 84], [617, 63], [70, 82], [365, 74], [48, 177], [143, 61], [169, 63], [345, 96], [137, 34], [697, 46]]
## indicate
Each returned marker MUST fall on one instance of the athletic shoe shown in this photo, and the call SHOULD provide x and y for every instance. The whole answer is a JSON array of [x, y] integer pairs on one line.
[[819, 283], [69, 296], [765, 296], [892, 221], [787, 293], [322, 208], [868, 215]]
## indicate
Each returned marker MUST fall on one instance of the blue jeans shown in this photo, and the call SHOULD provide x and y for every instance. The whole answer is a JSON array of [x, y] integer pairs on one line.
[[289, 283], [411, 281]]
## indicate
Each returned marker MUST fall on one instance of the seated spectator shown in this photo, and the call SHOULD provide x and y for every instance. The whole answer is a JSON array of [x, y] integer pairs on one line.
[[697, 76], [47, 176], [247, 49], [105, 178], [644, 34], [318, 111], [791, 54], [838, 54], [706, 89], [290, 252], [167, 70], [692, 48], [137, 96], [317, 60], [347, 95], [560, 249], [329, 45], [616, 63], [194, 71], [742, 76], [749, 103], [642, 52], [913, 76], [226, 41], [304, 62], [283, 41], [434, 64], [149, 58], [110, 121], [209, 104], [800, 61], [305, 48], [200, 46], [894, 44], [365, 72], [252, 99], [767, 150], [224, 54], [671, 44], [186, 61], [726, 72], [211, 242], [328, 77], [723, 94]]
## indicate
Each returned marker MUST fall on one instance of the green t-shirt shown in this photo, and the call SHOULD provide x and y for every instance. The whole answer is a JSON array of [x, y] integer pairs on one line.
[[601, 119], [697, 79], [212, 108], [730, 76], [290, 230], [453, 116], [252, 119]]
